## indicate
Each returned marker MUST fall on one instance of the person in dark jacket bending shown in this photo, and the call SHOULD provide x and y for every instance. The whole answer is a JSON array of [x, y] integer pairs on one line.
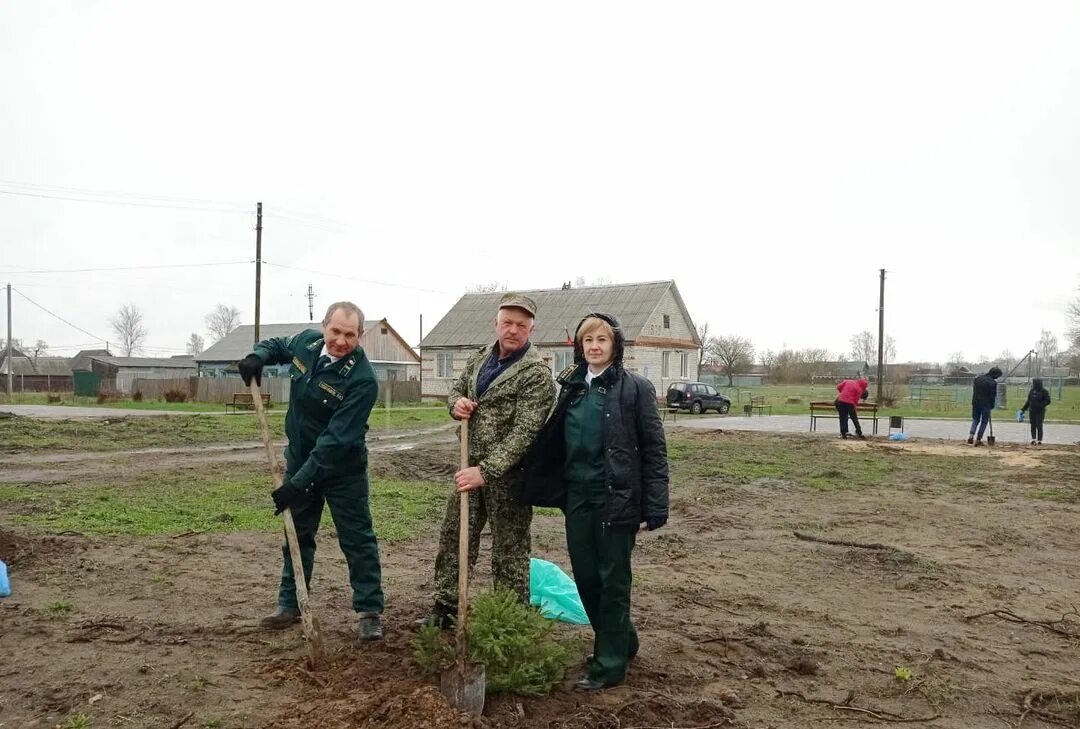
[[1037, 401], [983, 397], [602, 458]]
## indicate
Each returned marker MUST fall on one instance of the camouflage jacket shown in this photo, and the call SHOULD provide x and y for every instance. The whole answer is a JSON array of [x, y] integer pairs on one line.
[[508, 415]]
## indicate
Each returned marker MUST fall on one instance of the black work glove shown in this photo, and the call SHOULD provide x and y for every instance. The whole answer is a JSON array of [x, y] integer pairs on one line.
[[652, 523], [864, 395], [250, 369], [289, 495]]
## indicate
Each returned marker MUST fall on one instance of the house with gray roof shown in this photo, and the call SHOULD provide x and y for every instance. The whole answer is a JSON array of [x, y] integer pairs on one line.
[[388, 352], [662, 343], [94, 370], [35, 374]]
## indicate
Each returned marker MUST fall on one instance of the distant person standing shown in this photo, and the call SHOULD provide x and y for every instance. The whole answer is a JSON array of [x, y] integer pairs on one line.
[[983, 397], [1037, 401], [847, 404]]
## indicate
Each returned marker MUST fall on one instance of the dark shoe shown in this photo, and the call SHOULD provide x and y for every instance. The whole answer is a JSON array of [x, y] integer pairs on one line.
[[1032, 442], [282, 618], [860, 436], [978, 443], [587, 684], [370, 627], [971, 439], [845, 436]]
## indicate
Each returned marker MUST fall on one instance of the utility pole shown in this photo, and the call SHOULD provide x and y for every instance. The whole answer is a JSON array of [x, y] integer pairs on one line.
[[310, 303], [881, 339], [419, 347], [10, 367], [258, 266]]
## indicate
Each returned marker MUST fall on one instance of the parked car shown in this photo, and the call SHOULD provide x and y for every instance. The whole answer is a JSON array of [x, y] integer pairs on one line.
[[697, 397]]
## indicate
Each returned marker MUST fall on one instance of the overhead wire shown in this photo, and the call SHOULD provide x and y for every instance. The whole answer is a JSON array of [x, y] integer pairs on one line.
[[57, 316], [354, 278]]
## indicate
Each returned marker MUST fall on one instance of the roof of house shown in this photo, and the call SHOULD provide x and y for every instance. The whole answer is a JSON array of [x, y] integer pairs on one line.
[[23, 365], [238, 343], [154, 362], [471, 320]]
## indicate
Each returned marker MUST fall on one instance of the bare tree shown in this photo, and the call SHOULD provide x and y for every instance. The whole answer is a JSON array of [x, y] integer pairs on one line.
[[794, 365], [16, 344], [195, 345], [1006, 360], [485, 288], [1072, 314], [129, 329], [703, 335], [1047, 348], [39, 349], [735, 354], [222, 321], [864, 347]]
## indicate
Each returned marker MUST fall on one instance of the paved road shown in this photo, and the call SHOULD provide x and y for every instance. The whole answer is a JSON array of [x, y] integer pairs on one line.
[[65, 412], [1006, 431]]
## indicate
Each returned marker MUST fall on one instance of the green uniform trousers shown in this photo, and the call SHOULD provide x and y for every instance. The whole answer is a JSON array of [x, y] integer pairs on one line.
[[348, 502], [600, 559], [511, 542]]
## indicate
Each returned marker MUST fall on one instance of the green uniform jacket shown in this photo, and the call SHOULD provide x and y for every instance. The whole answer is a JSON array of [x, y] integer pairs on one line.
[[328, 413], [508, 415]]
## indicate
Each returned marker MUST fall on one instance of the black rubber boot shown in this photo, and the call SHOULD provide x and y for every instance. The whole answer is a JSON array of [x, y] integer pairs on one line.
[[281, 618]]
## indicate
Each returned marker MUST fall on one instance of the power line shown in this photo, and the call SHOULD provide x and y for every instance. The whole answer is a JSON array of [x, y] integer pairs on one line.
[[116, 194], [353, 278], [130, 268], [132, 203], [54, 314]]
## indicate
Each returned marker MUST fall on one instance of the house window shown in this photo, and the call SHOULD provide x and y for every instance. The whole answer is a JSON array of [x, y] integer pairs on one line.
[[384, 330], [444, 364], [684, 365], [667, 321], [665, 364], [562, 360]]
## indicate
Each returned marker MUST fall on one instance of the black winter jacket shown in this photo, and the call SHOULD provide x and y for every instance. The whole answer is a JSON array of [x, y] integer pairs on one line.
[[1037, 401], [635, 453], [984, 391]]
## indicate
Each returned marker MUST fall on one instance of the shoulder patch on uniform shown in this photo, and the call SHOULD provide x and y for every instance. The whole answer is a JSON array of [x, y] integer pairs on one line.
[[331, 390], [317, 344], [299, 365]]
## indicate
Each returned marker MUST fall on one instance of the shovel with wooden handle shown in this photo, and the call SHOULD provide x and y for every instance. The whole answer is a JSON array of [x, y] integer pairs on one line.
[[990, 439], [464, 683], [316, 651]]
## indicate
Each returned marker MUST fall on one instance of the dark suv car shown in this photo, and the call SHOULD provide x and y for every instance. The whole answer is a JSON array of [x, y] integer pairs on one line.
[[697, 397]]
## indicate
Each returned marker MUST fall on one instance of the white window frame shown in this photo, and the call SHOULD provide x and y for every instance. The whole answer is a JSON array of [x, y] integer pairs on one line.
[[684, 365], [665, 365], [561, 359], [444, 365]]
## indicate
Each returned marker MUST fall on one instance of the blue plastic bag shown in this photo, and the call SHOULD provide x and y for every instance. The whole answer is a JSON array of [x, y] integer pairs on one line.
[[5, 586], [555, 593], [898, 436], [1019, 416]]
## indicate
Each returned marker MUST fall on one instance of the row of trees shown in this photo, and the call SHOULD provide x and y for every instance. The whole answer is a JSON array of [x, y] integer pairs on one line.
[[128, 324]]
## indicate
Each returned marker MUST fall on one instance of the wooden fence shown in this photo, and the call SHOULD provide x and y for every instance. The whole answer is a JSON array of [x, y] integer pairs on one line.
[[221, 389]]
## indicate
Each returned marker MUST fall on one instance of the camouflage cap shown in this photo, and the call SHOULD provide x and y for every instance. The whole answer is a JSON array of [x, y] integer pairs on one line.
[[519, 301]]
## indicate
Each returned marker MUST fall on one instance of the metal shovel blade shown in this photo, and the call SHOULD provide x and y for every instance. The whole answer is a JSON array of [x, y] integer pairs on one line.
[[464, 686]]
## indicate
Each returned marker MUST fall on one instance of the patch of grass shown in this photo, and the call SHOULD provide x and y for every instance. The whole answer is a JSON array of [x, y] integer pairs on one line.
[[212, 498], [76, 721], [198, 683], [59, 607], [212, 723], [1061, 495]]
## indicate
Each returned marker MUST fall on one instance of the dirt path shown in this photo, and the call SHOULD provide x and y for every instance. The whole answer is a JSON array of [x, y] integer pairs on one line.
[[742, 623]]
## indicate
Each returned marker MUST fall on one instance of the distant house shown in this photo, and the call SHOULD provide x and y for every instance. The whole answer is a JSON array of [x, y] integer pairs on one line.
[[661, 342], [388, 352], [41, 374], [753, 376], [843, 369], [94, 370]]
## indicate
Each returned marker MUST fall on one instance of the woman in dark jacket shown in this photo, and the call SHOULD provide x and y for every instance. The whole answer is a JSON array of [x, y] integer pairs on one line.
[[1037, 400], [602, 458]]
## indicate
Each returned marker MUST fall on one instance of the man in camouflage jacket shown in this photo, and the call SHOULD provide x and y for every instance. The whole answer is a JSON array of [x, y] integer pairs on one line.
[[505, 392]]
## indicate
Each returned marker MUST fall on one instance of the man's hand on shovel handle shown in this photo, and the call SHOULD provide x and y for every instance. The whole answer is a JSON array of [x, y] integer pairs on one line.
[[468, 479], [288, 495]]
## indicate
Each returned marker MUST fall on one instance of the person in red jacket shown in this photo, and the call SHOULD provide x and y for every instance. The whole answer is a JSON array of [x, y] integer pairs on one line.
[[851, 391]]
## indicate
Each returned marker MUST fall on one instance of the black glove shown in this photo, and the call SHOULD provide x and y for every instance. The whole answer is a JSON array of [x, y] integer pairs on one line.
[[250, 369], [289, 495], [652, 523], [865, 394]]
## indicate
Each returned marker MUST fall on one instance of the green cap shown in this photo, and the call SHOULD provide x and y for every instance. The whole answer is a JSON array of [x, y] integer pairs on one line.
[[518, 301]]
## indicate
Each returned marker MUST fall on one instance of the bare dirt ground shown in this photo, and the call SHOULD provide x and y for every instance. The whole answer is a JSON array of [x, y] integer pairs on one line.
[[743, 623]]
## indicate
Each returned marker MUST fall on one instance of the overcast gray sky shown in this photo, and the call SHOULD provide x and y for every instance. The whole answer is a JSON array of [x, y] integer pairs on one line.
[[769, 157]]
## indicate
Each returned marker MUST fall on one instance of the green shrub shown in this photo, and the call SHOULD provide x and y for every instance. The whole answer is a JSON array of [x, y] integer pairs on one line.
[[514, 642]]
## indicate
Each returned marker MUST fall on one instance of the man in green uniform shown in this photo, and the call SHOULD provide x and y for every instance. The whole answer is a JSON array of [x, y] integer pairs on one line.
[[505, 392], [333, 390]]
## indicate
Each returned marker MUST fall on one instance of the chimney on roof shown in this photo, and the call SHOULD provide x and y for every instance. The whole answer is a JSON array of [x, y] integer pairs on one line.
[[566, 286]]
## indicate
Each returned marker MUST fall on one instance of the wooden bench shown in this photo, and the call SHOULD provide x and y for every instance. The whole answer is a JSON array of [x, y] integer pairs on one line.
[[827, 409], [757, 402], [244, 401], [673, 412]]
